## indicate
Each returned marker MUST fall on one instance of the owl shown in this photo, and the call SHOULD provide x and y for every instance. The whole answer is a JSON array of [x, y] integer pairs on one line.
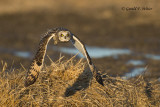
[[59, 35]]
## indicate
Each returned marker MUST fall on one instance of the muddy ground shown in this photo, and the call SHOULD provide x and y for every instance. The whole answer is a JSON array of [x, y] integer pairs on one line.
[[132, 30]]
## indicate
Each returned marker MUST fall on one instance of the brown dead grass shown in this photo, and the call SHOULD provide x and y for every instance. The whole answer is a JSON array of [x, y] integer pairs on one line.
[[104, 9], [68, 83], [101, 9]]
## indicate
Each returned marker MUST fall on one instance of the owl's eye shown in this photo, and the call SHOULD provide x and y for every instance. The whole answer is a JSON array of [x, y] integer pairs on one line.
[[62, 35], [67, 35]]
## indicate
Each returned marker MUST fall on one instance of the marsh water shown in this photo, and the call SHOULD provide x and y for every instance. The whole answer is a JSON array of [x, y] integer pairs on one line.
[[96, 53]]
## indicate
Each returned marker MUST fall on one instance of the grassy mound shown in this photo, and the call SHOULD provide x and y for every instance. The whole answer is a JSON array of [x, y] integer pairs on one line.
[[69, 83]]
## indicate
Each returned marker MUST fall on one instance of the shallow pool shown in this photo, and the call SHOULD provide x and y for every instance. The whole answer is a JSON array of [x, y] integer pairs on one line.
[[95, 52], [134, 72]]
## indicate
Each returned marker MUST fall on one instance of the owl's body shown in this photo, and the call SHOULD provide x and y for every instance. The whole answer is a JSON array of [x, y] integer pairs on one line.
[[58, 35]]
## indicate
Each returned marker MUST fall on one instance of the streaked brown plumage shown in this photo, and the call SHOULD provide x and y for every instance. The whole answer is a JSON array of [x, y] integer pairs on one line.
[[37, 62], [58, 35]]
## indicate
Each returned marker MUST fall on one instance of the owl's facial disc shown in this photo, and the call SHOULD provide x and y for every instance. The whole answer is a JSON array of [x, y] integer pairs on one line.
[[64, 36]]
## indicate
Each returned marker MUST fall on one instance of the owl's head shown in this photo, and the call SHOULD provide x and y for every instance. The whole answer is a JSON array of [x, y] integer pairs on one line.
[[60, 34], [64, 36]]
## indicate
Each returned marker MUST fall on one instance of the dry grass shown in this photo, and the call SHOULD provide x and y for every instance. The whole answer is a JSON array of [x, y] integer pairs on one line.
[[68, 83], [103, 8], [29, 5]]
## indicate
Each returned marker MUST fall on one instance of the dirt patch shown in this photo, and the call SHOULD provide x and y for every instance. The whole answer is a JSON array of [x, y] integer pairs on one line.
[[103, 26]]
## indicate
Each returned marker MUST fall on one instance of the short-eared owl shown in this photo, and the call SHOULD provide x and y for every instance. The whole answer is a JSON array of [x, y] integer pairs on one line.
[[58, 35]]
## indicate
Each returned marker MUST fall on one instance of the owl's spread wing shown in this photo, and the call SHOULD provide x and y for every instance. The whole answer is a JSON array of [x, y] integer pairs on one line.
[[80, 46]]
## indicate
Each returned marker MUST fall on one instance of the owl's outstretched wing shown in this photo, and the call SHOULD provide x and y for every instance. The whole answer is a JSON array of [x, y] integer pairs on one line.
[[80, 46]]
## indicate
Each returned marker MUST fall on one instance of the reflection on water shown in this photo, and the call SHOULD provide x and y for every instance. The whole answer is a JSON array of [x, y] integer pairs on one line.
[[95, 52], [154, 57], [99, 52], [135, 62], [22, 54], [134, 72]]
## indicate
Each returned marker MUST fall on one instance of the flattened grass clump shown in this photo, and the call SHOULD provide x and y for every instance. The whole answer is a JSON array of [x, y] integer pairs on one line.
[[69, 83]]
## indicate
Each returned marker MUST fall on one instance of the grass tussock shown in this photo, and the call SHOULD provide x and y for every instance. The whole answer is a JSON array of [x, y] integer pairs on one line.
[[69, 83]]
